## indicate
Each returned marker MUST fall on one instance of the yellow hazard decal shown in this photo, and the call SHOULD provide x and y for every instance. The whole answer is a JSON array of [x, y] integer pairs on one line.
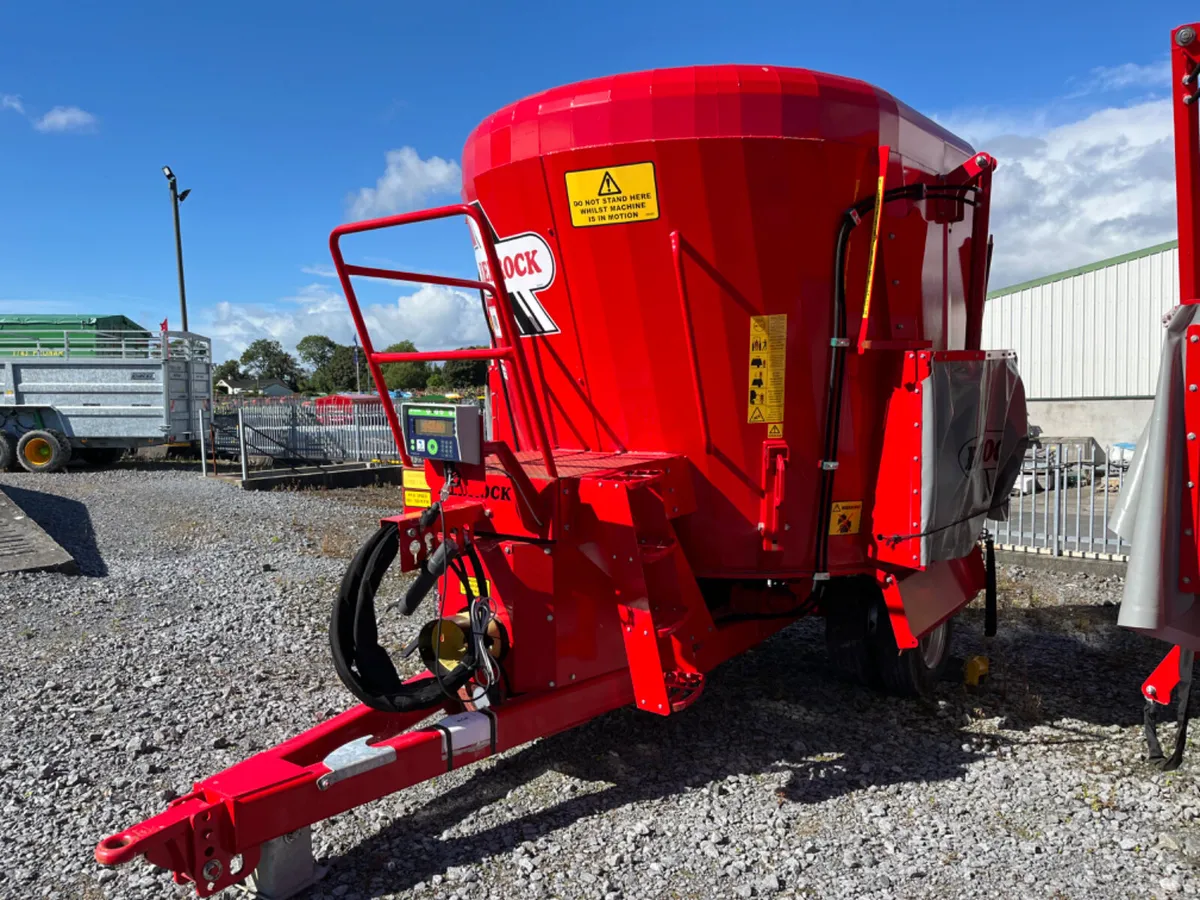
[[613, 195], [415, 479], [417, 499], [768, 352], [474, 587], [846, 517]]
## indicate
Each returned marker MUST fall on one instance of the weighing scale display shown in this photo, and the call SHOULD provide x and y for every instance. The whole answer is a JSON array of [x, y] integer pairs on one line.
[[443, 432]]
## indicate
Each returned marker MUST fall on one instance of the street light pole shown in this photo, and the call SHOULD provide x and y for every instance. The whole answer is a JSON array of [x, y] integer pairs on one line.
[[176, 199]]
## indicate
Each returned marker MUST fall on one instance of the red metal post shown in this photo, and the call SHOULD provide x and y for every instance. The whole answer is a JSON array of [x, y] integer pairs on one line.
[[1185, 65], [977, 292]]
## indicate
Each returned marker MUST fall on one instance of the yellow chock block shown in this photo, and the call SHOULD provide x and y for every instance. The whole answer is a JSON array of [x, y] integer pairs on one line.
[[975, 671]]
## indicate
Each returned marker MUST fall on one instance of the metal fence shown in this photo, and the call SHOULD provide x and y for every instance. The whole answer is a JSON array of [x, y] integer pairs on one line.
[[298, 431], [1064, 501], [295, 431]]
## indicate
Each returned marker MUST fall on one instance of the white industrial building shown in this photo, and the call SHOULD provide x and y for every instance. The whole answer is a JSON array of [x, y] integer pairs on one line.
[[1088, 342]]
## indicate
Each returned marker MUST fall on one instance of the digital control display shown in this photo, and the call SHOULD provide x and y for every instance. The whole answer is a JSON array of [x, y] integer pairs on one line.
[[436, 427], [443, 432]]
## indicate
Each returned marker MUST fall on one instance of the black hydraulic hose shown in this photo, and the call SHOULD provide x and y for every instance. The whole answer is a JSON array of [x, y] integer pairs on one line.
[[361, 663], [428, 574], [839, 343]]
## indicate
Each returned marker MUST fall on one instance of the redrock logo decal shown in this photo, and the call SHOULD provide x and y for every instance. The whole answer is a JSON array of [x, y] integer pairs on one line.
[[528, 267]]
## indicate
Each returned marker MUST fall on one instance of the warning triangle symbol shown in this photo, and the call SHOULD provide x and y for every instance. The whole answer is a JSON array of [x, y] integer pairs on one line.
[[775, 431], [608, 186], [756, 415]]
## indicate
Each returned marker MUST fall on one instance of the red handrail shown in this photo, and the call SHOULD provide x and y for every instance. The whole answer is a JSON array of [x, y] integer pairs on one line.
[[511, 349]]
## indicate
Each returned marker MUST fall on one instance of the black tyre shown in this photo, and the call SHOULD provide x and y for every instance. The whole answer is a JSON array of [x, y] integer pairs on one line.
[[847, 615], [862, 646], [912, 673], [65, 443], [8, 451], [40, 451], [101, 456]]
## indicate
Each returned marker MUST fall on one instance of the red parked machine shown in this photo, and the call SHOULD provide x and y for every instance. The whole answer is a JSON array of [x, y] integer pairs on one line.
[[1160, 510], [735, 316]]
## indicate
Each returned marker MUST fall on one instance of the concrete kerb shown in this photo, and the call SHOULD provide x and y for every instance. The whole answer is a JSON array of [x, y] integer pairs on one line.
[[349, 475]]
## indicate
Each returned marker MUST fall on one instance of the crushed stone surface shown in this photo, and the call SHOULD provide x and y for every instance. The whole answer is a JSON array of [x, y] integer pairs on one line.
[[197, 636]]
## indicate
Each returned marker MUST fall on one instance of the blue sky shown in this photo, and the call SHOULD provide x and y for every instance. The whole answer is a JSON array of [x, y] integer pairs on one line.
[[278, 115]]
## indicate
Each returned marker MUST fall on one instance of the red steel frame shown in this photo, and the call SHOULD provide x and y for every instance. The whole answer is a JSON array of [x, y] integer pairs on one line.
[[1185, 94], [509, 344]]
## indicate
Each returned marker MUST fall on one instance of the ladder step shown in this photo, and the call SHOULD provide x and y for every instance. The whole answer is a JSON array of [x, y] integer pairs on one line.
[[683, 688]]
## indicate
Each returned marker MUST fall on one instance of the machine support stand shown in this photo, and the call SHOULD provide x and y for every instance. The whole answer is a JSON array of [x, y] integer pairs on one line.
[[286, 867], [1175, 670]]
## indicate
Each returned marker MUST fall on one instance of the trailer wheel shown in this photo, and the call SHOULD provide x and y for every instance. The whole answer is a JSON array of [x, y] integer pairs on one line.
[[912, 673], [8, 451], [40, 451], [65, 443]]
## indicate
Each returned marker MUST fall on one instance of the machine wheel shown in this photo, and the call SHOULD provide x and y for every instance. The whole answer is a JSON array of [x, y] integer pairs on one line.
[[40, 451], [847, 616], [101, 456], [8, 451], [862, 647], [912, 673]]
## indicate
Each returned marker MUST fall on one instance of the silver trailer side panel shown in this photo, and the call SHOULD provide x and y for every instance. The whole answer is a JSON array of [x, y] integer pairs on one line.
[[135, 398]]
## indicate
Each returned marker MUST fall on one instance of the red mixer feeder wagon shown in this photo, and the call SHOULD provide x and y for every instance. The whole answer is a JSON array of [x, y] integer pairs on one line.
[[735, 316]]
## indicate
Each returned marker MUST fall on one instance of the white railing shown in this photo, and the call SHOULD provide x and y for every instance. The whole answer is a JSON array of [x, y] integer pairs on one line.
[[1064, 501]]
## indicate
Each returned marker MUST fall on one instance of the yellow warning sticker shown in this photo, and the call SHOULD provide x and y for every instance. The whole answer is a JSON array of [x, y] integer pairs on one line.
[[768, 352], [415, 478], [846, 517], [474, 587], [418, 499], [613, 195]]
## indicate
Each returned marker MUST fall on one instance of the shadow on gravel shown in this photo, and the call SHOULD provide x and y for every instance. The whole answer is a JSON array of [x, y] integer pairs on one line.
[[67, 522], [779, 709]]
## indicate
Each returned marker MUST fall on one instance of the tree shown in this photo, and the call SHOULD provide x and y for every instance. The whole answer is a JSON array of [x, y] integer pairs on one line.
[[337, 374], [267, 359], [315, 350], [404, 376], [465, 372], [436, 380], [226, 371]]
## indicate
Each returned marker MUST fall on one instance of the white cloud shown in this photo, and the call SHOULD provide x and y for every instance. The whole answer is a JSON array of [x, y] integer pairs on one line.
[[13, 102], [66, 118], [320, 271], [434, 318], [406, 184], [1078, 190], [1155, 75]]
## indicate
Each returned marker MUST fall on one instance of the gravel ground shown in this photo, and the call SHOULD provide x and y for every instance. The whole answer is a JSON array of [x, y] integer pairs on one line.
[[197, 636]]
